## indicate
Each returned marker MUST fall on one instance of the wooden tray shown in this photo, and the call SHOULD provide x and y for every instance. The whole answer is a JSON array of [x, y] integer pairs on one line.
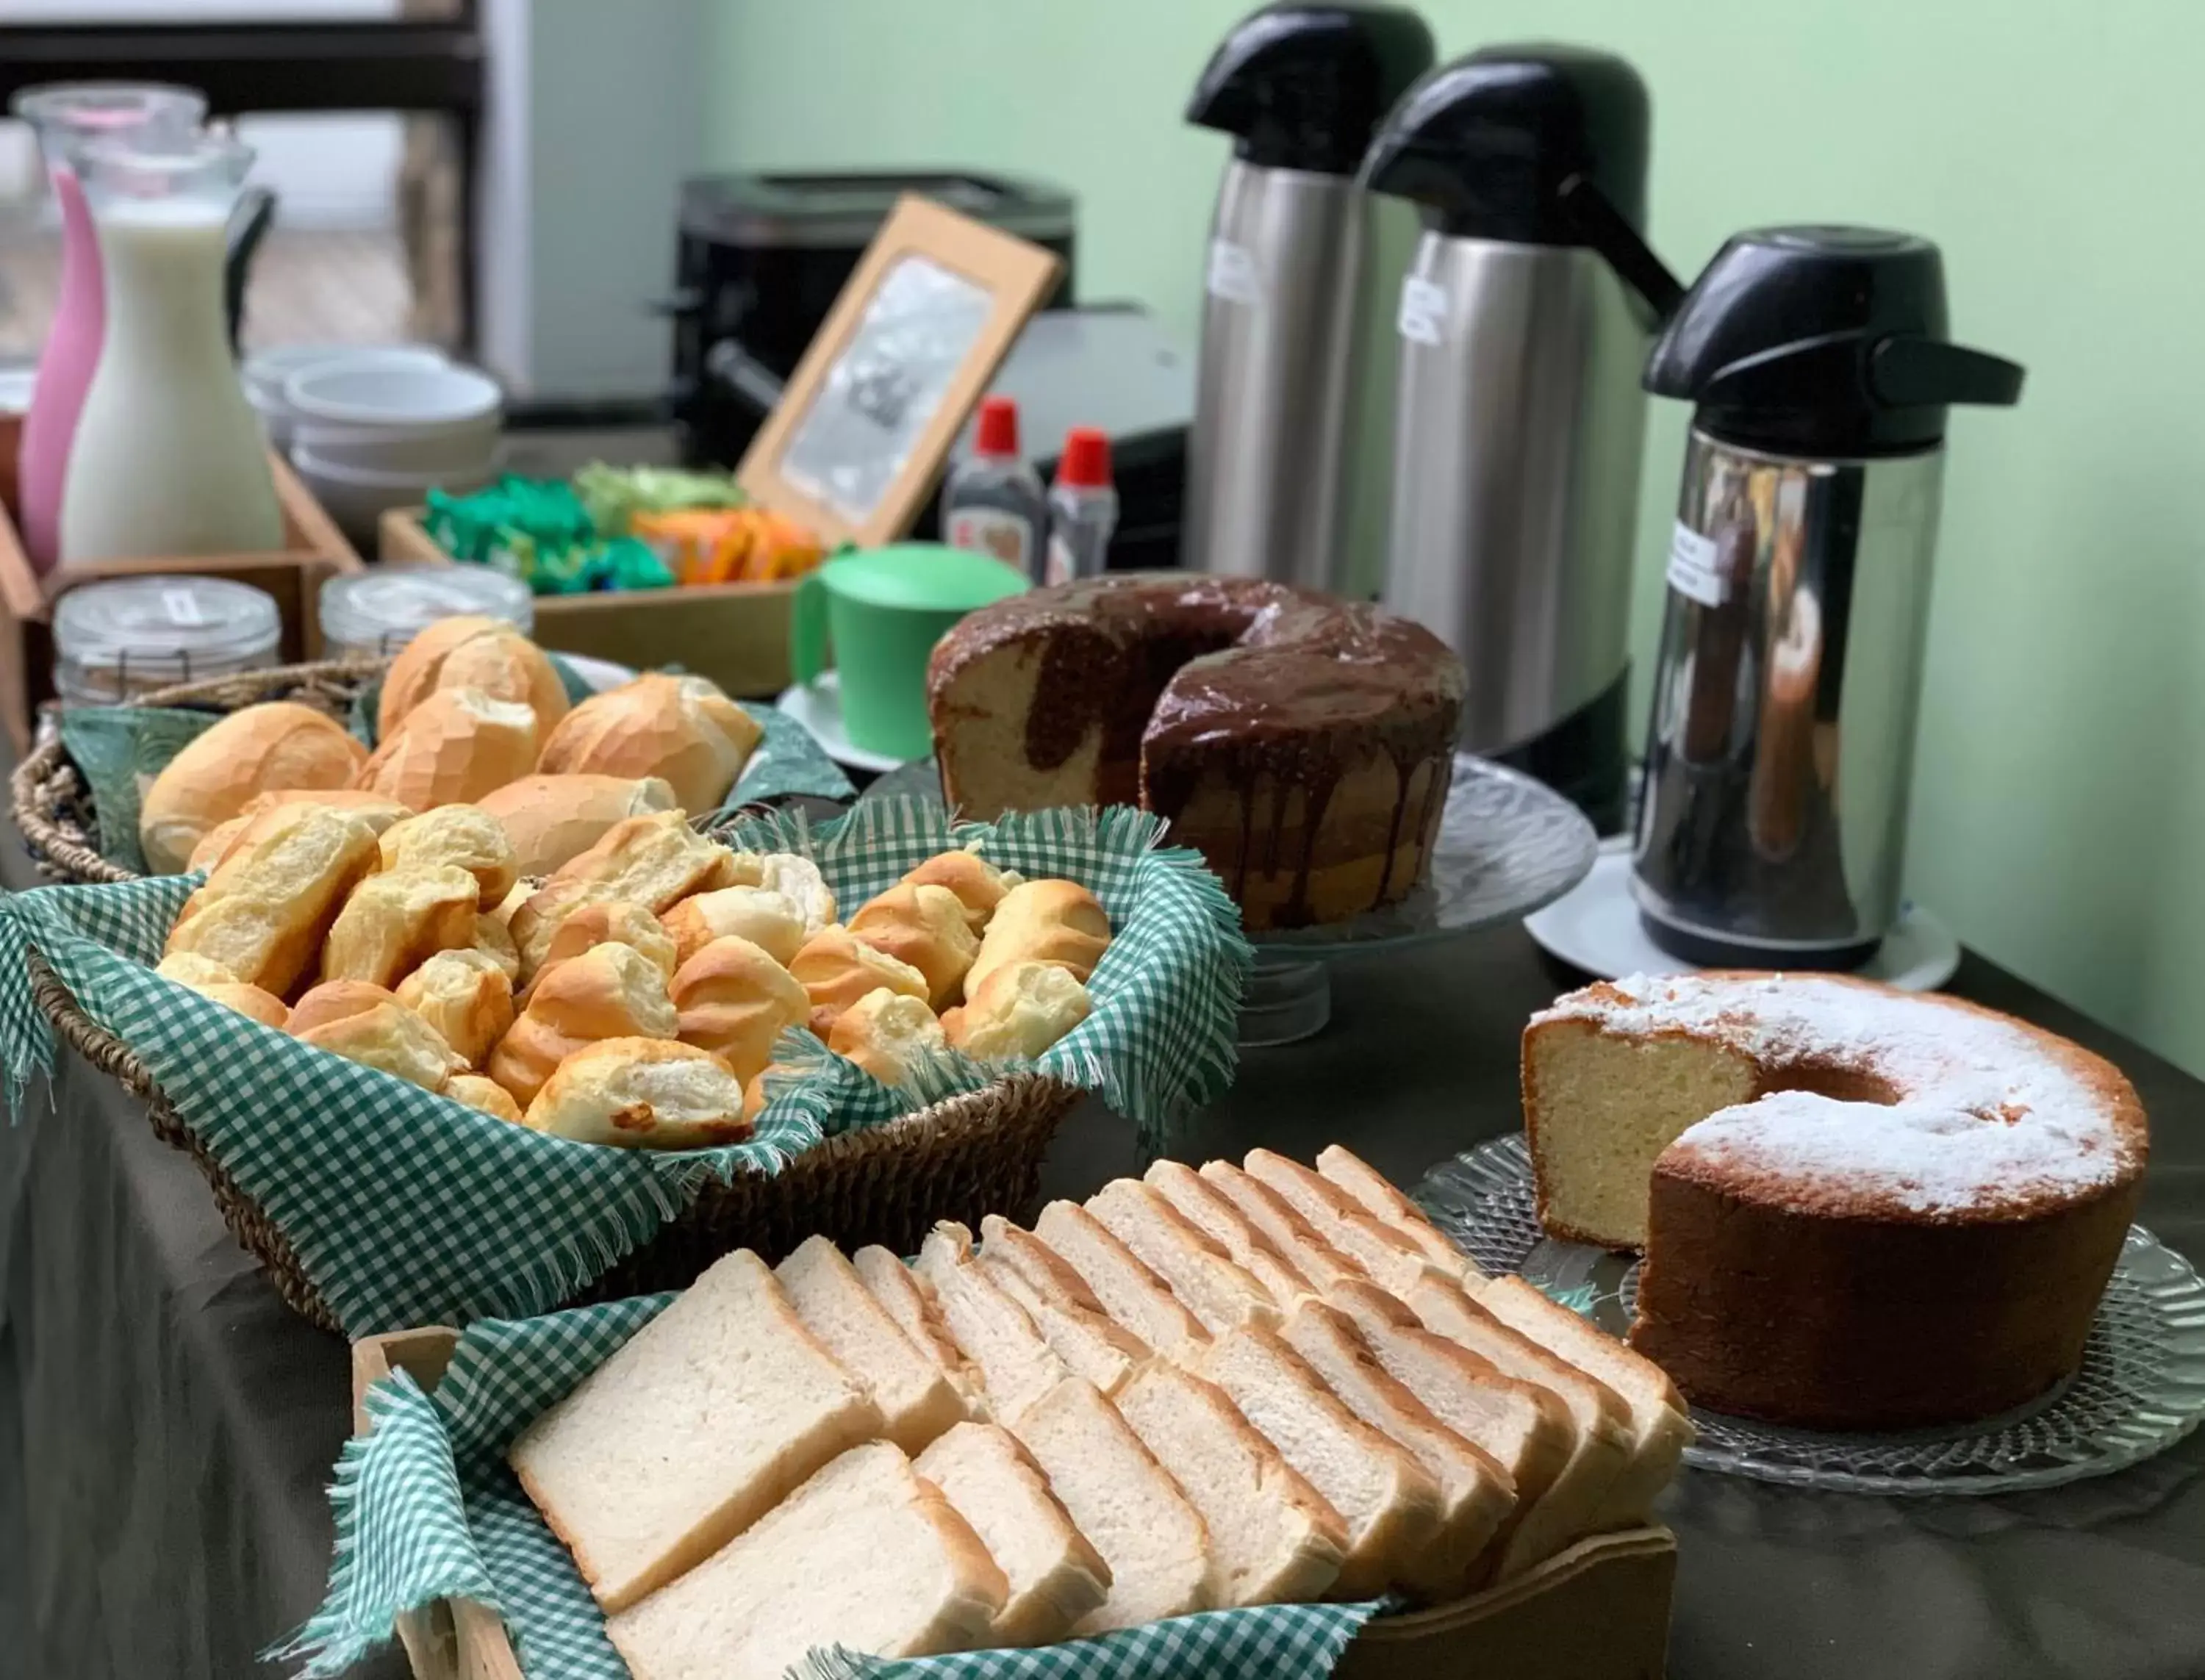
[[313, 550], [1599, 1610], [737, 634]]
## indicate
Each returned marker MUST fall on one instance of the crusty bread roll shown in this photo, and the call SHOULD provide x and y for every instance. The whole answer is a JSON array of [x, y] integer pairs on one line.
[[766, 919], [609, 991], [280, 744], [884, 1032], [215, 845], [486, 654], [978, 884], [495, 943], [926, 926], [551, 819], [654, 861], [1055, 921], [264, 913], [332, 1001], [465, 996], [795, 878], [735, 1001], [617, 922], [391, 1037], [478, 1091], [455, 746], [213, 981], [392, 923], [683, 729], [1020, 1009], [464, 836], [642, 1093], [836, 968]]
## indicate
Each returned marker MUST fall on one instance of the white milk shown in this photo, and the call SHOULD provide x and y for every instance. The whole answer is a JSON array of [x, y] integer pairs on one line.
[[169, 458]]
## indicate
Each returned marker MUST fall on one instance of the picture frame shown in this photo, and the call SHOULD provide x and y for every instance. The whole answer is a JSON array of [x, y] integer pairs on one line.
[[858, 440]]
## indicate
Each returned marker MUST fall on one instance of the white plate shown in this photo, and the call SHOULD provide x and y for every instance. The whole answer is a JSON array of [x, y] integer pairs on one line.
[[817, 705], [600, 674], [1596, 927]]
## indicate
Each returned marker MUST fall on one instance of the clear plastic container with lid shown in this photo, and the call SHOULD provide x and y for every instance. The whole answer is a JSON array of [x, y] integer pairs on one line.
[[115, 641], [376, 613]]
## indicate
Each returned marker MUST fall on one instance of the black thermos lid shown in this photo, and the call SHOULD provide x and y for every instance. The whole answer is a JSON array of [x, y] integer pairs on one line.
[[1301, 87], [1823, 342]]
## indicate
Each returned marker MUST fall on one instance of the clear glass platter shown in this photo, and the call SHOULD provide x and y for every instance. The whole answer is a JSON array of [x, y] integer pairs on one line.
[[2142, 1387], [1507, 845]]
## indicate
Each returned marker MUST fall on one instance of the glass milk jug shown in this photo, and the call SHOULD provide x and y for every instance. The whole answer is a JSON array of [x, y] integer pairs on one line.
[[64, 117], [169, 458]]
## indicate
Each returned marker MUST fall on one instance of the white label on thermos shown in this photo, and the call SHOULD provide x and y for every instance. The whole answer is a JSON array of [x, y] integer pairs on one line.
[[1692, 570], [1233, 273], [1422, 319]]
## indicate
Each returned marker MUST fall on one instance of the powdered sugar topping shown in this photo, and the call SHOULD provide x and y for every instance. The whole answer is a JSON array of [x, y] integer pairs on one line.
[[1984, 1117]]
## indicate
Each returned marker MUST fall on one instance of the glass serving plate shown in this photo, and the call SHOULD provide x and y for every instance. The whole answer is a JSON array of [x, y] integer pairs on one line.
[[1507, 845], [2141, 1388]]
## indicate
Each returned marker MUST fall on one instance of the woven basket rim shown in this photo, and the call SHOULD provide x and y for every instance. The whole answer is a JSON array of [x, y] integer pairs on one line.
[[47, 782], [262, 1236]]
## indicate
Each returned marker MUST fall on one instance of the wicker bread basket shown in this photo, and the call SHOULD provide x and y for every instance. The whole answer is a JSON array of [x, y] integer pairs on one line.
[[52, 803], [971, 1155]]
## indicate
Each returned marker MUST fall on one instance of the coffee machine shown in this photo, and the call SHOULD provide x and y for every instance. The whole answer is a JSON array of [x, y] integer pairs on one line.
[[1781, 749], [1299, 88], [1524, 319]]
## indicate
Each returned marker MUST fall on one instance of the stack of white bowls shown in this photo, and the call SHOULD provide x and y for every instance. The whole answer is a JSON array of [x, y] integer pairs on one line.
[[369, 429]]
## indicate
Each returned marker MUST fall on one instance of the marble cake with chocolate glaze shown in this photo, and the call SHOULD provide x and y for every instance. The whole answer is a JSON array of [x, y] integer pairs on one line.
[[1303, 744]]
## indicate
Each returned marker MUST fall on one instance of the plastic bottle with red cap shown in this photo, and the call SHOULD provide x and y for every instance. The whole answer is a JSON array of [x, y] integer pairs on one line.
[[992, 503], [1083, 509]]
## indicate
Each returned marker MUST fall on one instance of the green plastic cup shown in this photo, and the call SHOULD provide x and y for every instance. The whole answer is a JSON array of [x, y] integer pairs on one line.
[[884, 609]]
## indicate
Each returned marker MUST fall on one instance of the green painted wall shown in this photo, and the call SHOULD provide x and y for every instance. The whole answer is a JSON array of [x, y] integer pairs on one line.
[[2051, 150]]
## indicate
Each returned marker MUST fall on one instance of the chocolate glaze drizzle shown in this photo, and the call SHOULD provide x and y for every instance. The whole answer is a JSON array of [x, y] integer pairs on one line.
[[1188, 677]]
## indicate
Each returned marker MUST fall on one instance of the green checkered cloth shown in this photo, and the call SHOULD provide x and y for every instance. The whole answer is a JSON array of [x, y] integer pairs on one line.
[[405, 1208], [427, 1508]]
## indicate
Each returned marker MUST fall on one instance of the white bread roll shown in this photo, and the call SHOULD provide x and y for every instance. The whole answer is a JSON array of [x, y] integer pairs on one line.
[[455, 746], [616, 921], [682, 729], [465, 996], [1019, 1009], [278, 745], [480, 1092], [1057, 921], [885, 1033], [332, 1001], [217, 984], [216, 844], [392, 1038], [769, 920], [641, 1093], [464, 836], [609, 991], [735, 1001], [925, 926], [485, 654], [552, 819], [392, 923], [978, 884], [836, 969], [264, 913], [654, 861]]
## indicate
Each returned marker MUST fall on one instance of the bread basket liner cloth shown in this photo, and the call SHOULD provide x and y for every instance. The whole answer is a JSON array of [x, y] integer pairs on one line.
[[426, 1508], [406, 1207], [119, 749]]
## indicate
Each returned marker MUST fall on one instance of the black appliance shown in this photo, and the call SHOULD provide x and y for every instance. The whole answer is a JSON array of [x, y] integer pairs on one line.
[[762, 257]]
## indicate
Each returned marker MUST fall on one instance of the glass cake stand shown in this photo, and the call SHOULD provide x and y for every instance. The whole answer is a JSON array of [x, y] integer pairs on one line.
[[2141, 1388], [1507, 845]]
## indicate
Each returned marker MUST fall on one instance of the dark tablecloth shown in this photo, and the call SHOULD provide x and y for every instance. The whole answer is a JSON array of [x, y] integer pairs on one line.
[[177, 1425]]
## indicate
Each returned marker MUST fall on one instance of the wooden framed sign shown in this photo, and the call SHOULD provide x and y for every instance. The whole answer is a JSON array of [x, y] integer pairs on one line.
[[857, 440]]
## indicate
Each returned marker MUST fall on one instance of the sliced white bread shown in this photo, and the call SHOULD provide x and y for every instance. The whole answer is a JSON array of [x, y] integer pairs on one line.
[[1286, 1230], [917, 1400], [1477, 1495], [905, 1296], [866, 1555], [1273, 1537], [1128, 1291], [1217, 1219], [1390, 1260], [1222, 1295], [1126, 1504], [1525, 1427], [1379, 1198], [701, 1424], [1091, 1344], [1660, 1422], [1054, 1574], [1389, 1503], [1016, 1366]]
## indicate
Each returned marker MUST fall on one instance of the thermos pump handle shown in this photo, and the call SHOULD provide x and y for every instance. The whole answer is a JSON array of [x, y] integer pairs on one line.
[[1905, 370], [1608, 231]]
